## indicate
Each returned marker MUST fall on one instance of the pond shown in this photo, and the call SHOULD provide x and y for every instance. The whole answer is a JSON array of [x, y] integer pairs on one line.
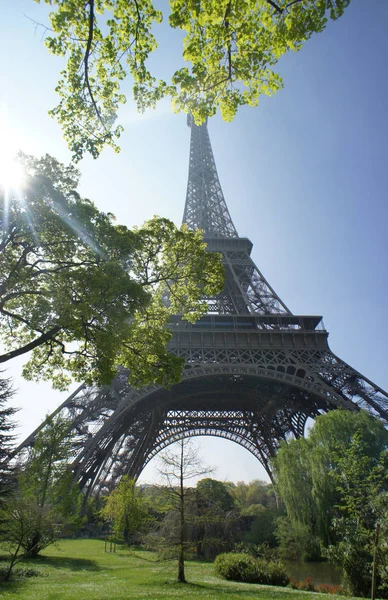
[[318, 572]]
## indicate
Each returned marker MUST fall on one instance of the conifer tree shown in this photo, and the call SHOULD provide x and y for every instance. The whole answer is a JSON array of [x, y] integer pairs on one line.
[[6, 439]]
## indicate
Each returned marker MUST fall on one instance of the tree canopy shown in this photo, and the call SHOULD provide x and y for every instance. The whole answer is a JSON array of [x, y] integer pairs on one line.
[[361, 479], [230, 49], [83, 294], [307, 470], [47, 501], [126, 509], [214, 494]]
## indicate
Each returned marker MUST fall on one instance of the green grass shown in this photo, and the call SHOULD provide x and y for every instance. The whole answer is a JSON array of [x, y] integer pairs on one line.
[[81, 570]]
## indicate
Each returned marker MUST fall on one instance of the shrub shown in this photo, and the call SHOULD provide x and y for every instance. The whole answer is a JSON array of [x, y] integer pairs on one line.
[[325, 588], [27, 572], [236, 567], [276, 573], [307, 585], [20, 572], [246, 568]]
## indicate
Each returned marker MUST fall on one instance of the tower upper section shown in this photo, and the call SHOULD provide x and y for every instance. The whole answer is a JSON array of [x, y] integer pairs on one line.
[[246, 291], [205, 206]]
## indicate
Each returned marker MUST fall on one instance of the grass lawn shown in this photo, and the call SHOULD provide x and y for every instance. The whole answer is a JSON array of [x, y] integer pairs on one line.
[[81, 570]]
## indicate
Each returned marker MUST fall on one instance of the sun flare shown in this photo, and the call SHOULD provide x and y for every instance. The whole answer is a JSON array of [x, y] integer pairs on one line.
[[12, 175]]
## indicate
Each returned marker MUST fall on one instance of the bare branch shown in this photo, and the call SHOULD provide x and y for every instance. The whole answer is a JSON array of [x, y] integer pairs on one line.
[[46, 29]]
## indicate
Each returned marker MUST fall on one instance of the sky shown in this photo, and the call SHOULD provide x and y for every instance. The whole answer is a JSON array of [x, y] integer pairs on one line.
[[304, 175]]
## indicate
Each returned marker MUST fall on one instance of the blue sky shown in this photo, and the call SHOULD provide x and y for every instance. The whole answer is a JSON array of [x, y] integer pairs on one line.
[[304, 174]]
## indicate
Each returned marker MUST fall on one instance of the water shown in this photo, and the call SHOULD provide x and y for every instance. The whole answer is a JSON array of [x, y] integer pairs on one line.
[[318, 572]]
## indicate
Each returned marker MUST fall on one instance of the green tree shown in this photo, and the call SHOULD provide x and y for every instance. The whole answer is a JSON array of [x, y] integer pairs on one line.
[[259, 510], [126, 509], [262, 530], [252, 497], [296, 540], [157, 499], [297, 532], [27, 529], [7, 471], [230, 47], [7, 477], [304, 471], [217, 524], [362, 483], [45, 503], [211, 492], [47, 498], [86, 295]]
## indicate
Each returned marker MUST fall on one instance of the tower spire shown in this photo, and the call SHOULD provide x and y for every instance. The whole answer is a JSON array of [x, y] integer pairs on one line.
[[246, 291], [205, 206]]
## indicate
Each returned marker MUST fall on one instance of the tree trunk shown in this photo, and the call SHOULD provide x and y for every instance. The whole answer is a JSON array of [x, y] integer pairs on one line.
[[181, 557], [34, 548], [374, 573], [12, 563], [181, 565]]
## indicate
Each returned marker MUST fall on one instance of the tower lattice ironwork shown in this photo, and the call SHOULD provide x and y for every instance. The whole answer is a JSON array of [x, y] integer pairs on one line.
[[254, 372]]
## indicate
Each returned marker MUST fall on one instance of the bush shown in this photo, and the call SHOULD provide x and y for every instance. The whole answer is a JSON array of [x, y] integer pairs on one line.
[[308, 585], [236, 567], [276, 573], [19, 572], [246, 568], [325, 588]]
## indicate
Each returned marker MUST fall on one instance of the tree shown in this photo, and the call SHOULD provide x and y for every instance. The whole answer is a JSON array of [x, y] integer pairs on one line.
[[7, 477], [259, 510], [85, 295], [22, 518], [362, 483], [213, 493], [252, 497], [297, 532], [217, 525], [126, 508], [231, 48], [47, 499], [179, 464], [296, 540], [7, 471], [304, 471]]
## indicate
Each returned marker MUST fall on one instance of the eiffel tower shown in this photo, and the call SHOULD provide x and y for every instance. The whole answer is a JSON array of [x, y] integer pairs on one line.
[[254, 372]]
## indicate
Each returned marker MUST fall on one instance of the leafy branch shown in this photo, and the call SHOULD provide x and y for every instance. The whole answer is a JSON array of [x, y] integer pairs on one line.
[[86, 62]]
